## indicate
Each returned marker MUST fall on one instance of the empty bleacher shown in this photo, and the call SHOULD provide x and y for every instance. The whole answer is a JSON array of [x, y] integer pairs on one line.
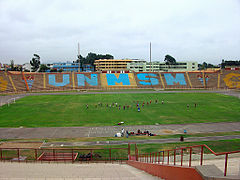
[[18, 82], [148, 80]]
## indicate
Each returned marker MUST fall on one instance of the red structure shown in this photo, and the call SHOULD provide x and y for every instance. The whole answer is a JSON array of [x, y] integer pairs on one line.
[[158, 157]]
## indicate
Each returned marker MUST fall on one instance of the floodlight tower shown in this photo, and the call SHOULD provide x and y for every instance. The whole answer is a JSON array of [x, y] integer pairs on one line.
[[79, 57], [150, 57]]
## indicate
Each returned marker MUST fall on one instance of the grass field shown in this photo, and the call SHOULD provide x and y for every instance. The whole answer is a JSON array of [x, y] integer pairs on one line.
[[70, 110]]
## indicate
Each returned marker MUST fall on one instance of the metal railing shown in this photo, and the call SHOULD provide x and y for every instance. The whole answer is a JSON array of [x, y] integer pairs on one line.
[[163, 157], [64, 154]]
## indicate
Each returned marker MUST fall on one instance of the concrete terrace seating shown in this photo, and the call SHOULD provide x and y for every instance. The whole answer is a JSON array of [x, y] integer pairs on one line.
[[5, 83], [18, 82], [148, 80], [175, 80]]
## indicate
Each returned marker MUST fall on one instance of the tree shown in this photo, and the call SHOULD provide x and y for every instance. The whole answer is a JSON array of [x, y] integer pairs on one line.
[[205, 65], [169, 60], [43, 68], [12, 65], [91, 57], [35, 62], [53, 70]]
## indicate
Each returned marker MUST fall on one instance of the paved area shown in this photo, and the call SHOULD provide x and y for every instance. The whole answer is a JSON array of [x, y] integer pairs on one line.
[[110, 131], [146, 141], [10, 98], [59, 171], [233, 165]]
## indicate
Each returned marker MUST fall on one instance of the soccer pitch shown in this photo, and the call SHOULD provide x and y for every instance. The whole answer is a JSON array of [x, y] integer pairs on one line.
[[71, 110]]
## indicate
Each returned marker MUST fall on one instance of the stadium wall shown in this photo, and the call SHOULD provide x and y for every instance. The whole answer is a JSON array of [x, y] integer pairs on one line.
[[17, 82]]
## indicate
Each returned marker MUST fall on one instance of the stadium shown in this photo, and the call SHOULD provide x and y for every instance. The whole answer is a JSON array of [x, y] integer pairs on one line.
[[181, 125]]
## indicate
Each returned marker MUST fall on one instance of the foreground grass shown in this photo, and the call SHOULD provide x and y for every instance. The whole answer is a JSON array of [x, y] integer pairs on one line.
[[70, 110], [217, 146]]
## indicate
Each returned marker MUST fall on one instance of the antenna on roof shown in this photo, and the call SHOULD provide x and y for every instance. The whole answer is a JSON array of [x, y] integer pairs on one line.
[[79, 57], [150, 57]]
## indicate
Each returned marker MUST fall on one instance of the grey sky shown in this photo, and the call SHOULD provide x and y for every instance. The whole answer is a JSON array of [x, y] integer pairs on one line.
[[189, 30]]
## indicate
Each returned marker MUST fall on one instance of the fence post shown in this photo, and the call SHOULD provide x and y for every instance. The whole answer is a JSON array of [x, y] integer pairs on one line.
[[91, 154], [155, 157], [72, 156], [159, 157], [54, 158], [168, 158], [201, 161], [190, 157], [129, 152], [152, 157], [163, 157], [136, 152], [110, 154], [181, 156], [137, 155], [174, 161], [36, 155], [18, 152], [226, 161]]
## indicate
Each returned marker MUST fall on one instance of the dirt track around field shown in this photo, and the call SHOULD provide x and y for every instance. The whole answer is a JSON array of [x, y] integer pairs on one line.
[[110, 131]]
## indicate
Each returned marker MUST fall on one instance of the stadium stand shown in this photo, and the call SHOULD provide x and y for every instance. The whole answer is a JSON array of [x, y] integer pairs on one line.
[[118, 80], [196, 79], [148, 80], [5, 83], [230, 79], [176, 80], [86, 81], [18, 82], [211, 79]]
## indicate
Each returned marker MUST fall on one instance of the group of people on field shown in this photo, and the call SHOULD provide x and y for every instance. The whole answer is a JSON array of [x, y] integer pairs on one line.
[[137, 104]]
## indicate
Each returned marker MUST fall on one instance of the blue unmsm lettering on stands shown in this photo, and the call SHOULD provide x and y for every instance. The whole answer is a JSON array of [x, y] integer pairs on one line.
[[179, 78], [82, 79], [112, 79], [52, 80], [143, 77]]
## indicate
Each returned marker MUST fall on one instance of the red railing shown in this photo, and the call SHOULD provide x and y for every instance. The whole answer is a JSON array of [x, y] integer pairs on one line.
[[64, 154], [158, 157]]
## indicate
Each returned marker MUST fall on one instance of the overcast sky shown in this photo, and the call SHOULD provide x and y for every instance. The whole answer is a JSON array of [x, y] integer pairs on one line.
[[189, 30]]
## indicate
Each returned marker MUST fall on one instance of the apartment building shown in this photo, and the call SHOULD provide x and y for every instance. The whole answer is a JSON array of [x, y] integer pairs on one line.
[[179, 66], [112, 64]]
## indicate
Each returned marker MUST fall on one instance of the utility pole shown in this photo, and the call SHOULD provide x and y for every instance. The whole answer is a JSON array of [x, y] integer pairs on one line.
[[79, 57], [150, 57]]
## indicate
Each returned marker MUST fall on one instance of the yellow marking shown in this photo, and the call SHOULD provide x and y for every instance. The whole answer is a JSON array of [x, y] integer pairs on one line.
[[105, 85], [3, 84], [162, 80], [189, 80], [219, 76], [232, 80], [10, 78], [44, 80], [73, 81], [204, 80], [25, 81]]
